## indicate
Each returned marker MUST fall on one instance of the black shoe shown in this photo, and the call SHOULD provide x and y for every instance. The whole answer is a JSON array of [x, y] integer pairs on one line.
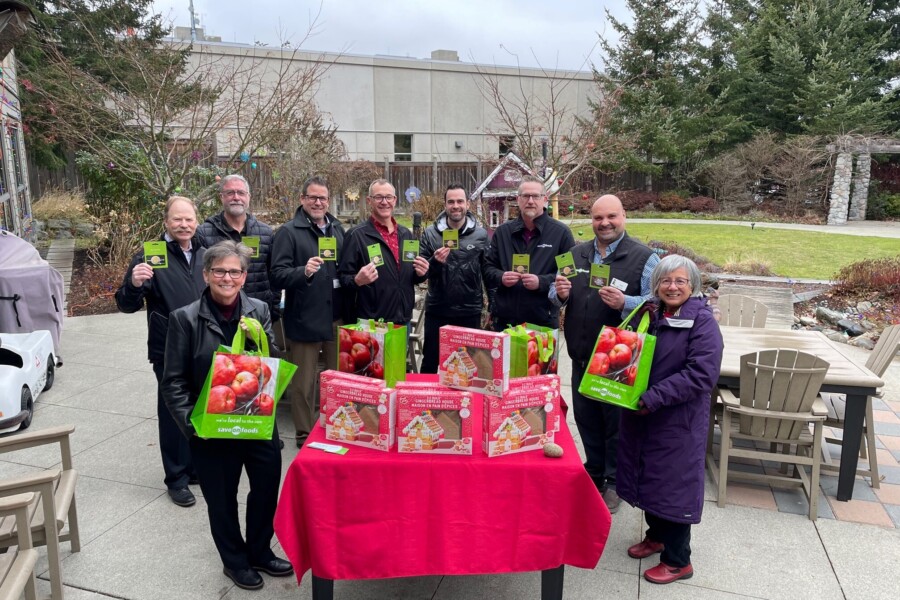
[[276, 567], [246, 579], [182, 497], [281, 444], [301, 439]]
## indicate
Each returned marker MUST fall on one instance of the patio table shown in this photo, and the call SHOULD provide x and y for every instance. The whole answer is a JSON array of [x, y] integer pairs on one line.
[[844, 377]]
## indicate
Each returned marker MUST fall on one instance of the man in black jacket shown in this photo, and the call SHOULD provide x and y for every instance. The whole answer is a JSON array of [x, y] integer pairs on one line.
[[587, 310], [164, 290], [313, 298], [521, 297], [455, 292], [385, 291], [235, 223]]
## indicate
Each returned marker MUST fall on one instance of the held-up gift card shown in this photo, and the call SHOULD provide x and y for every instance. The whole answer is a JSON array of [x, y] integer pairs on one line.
[[410, 250], [328, 248], [155, 254], [565, 262], [375, 256], [252, 242], [451, 238], [520, 263], [599, 276]]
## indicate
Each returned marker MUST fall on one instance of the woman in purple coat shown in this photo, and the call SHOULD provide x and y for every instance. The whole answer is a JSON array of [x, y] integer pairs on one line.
[[662, 445]]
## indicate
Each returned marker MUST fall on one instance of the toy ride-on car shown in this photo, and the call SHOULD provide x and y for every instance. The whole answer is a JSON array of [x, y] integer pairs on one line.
[[27, 368]]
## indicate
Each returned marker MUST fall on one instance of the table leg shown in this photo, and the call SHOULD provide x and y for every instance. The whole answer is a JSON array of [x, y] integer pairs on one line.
[[854, 415], [322, 589], [552, 583]]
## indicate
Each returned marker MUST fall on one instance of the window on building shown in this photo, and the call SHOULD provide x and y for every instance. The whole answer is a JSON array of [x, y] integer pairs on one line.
[[506, 145], [403, 147]]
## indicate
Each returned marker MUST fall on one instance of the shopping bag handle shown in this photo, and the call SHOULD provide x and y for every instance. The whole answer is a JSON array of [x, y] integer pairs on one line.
[[644, 324], [254, 330]]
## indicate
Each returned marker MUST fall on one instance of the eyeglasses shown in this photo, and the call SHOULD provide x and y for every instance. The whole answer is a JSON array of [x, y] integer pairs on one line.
[[379, 199], [221, 273], [315, 199], [528, 197], [232, 193], [681, 283]]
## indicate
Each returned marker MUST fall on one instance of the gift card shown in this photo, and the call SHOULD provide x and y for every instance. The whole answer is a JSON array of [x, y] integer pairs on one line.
[[375, 256], [520, 263], [599, 275], [155, 253], [252, 242], [451, 238], [565, 263], [410, 250], [328, 248]]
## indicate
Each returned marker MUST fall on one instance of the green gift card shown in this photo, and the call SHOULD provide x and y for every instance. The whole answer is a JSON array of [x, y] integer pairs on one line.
[[375, 256], [451, 238], [155, 254], [252, 242], [410, 250], [599, 276], [520, 263], [565, 262], [328, 248]]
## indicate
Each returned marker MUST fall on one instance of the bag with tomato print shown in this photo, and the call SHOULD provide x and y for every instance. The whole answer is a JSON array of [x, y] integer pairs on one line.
[[242, 388], [373, 349], [620, 364], [534, 350]]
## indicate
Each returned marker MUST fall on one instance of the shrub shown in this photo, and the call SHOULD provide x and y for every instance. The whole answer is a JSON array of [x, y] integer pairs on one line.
[[671, 202], [751, 265], [703, 204], [60, 204], [430, 206], [881, 205], [880, 276], [637, 199]]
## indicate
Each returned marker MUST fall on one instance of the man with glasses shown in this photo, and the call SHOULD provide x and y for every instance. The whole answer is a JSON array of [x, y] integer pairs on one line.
[[383, 291], [587, 310], [235, 223], [520, 295], [163, 290], [304, 264]]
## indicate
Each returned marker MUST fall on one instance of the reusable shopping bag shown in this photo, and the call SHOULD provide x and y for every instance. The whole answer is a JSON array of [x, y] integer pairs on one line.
[[373, 349], [534, 350]]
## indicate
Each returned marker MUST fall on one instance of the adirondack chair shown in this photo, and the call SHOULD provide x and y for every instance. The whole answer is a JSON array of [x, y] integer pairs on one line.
[[416, 340], [779, 398], [880, 359], [17, 566], [55, 507], [742, 311]]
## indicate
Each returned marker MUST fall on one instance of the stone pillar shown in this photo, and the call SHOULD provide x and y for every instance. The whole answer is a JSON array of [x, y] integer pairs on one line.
[[840, 189], [861, 187]]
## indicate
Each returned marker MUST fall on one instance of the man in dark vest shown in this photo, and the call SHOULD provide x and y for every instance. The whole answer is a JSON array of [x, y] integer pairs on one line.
[[587, 311]]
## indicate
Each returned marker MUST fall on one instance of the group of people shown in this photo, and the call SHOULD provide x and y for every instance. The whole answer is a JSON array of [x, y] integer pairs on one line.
[[652, 457]]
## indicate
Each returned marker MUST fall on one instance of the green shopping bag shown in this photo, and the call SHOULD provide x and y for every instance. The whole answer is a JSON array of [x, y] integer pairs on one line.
[[242, 389], [620, 364], [373, 349], [534, 350]]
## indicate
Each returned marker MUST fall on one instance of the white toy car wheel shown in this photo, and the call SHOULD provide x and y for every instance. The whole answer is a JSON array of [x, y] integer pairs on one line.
[[28, 407], [51, 373]]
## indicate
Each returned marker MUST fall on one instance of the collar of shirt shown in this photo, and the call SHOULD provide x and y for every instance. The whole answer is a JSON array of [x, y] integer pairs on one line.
[[187, 253], [392, 239], [598, 257]]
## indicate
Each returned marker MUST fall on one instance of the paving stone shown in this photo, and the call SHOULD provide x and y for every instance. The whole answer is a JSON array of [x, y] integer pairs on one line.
[[893, 511], [861, 511], [794, 501], [865, 559], [861, 489]]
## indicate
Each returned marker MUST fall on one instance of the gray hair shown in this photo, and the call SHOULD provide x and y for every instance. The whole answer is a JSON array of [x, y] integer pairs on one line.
[[173, 199], [671, 263], [226, 249], [532, 179], [382, 182], [234, 177]]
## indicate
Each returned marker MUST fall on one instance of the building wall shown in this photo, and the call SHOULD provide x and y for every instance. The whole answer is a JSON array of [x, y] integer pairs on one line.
[[15, 197]]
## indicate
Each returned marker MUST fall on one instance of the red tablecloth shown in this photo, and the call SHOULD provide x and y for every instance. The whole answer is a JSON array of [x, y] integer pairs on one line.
[[370, 514]]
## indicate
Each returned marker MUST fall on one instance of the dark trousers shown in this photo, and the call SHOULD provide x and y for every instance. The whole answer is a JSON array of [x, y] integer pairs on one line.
[[431, 345], [598, 426], [176, 455], [676, 537], [219, 464]]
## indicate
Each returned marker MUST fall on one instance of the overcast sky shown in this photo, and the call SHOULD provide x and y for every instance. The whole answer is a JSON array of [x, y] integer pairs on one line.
[[560, 34]]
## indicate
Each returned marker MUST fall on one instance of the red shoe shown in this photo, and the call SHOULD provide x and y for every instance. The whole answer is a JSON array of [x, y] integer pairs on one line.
[[646, 548], [663, 573]]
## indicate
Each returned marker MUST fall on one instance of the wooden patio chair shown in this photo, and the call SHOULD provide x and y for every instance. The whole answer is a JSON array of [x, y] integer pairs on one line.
[[779, 398], [54, 518], [879, 361], [416, 342], [742, 311], [17, 566]]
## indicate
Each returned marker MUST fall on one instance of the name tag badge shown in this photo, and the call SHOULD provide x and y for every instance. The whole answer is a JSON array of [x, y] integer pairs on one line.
[[335, 283], [619, 284]]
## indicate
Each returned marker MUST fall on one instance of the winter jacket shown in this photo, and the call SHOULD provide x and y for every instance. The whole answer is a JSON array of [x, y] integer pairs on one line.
[[455, 287], [515, 304], [586, 313], [216, 228], [194, 336], [660, 461], [177, 285], [391, 296], [311, 305]]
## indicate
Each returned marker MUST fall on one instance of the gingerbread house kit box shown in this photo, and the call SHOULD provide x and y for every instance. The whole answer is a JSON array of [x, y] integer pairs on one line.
[[553, 406], [362, 415], [436, 420], [474, 360], [521, 420], [326, 377]]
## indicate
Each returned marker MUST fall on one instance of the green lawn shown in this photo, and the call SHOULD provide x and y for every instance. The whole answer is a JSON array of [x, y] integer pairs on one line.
[[799, 254]]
